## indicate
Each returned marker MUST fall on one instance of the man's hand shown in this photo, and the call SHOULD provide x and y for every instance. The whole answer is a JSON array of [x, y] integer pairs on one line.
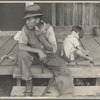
[[42, 55], [39, 33]]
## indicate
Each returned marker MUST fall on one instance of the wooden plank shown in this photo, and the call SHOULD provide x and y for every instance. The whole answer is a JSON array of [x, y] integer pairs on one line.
[[91, 14], [8, 33], [86, 14], [8, 61], [68, 14], [60, 14], [83, 12], [7, 48], [77, 72], [3, 40], [79, 11], [7, 70], [82, 62], [94, 22], [75, 18], [53, 7], [38, 90], [97, 14], [91, 45], [97, 39], [86, 18], [46, 10]]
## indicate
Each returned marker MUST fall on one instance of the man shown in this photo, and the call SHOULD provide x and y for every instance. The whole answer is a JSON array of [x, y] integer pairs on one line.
[[37, 44]]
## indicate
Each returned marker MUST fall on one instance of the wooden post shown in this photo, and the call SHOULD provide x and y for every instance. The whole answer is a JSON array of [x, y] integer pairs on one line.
[[53, 11], [18, 81], [97, 81]]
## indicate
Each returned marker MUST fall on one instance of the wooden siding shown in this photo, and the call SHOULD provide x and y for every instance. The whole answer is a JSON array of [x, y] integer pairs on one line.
[[46, 10], [57, 14], [84, 14]]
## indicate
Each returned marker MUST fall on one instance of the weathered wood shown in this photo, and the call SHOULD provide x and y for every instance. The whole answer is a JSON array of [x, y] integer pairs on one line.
[[86, 14], [18, 81], [6, 70], [68, 11], [3, 40], [94, 14], [8, 61], [83, 12], [94, 48], [75, 18], [77, 72], [79, 12], [91, 45], [53, 7], [91, 13], [60, 14], [38, 90], [7, 48], [46, 10], [97, 39], [8, 33]]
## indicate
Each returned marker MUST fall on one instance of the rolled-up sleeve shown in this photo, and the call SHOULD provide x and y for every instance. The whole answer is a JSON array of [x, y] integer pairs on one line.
[[23, 38], [52, 39]]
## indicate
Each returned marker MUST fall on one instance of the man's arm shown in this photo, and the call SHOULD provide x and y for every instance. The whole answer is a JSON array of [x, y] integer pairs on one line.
[[49, 42], [46, 44], [28, 48], [34, 50]]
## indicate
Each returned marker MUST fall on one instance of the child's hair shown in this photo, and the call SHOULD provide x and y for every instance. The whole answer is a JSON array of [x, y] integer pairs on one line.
[[78, 29]]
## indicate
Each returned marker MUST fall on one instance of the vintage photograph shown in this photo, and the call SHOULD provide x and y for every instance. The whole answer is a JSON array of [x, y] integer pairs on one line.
[[50, 49]]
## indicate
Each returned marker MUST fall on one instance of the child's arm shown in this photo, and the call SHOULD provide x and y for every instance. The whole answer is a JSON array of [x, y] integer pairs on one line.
[[81, 53]]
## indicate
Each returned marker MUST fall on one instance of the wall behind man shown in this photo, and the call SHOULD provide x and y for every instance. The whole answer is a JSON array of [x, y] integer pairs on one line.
[[85, 14]]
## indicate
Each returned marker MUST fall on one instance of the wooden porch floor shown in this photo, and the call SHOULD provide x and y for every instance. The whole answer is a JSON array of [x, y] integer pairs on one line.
[[91, 43], [9, 45]]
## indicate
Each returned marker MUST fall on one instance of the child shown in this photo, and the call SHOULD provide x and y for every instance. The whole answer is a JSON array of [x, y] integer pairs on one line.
[[71, 49]]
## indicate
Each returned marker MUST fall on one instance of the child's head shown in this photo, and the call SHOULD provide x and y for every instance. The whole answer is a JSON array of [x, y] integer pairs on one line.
[[78, 30]]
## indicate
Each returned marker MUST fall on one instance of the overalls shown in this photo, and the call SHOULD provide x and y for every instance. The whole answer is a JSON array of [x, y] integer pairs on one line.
[[56, 64]]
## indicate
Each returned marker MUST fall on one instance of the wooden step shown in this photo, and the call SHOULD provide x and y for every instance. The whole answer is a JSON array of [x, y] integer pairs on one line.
[[53, 92]]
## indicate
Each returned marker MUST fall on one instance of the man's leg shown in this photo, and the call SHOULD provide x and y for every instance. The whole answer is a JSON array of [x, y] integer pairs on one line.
[[25, 62], [63, 76]]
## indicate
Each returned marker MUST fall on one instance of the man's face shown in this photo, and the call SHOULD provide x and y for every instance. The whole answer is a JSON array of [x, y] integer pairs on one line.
[[31, 22]]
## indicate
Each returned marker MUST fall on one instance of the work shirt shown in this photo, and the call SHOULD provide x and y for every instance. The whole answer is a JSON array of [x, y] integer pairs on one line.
[[29, 37], [69, 47]]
